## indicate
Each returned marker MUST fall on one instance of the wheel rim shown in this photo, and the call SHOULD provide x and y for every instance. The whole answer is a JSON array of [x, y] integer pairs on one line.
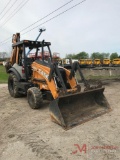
[[30, 99]]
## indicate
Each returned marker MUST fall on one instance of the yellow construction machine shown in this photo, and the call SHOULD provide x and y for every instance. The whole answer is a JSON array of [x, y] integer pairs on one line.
[[97, 62], [42, 79], [116, 62], [106, 62]]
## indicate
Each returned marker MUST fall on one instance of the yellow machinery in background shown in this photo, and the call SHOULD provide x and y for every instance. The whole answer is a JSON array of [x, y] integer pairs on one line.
[[96, 62], [106, 62], [83, 61], [116, 62], [89, 62]]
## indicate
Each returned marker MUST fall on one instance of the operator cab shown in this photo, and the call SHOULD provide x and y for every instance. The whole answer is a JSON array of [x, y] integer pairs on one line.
[[39, 52], [29, 51]]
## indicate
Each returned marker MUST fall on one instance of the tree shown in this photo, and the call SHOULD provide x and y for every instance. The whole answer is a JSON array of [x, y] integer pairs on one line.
[[114, 55], [3, 55], [96, 55], [70, 55], [82, 55], [105, 55], [101, 56]]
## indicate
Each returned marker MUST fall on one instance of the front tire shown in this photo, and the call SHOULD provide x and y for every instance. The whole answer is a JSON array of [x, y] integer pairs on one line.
[[34, 96], [12, 86]]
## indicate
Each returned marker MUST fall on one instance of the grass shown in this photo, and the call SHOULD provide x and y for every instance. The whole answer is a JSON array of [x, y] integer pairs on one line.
[[3, 74], [98, 77], [103, 77]]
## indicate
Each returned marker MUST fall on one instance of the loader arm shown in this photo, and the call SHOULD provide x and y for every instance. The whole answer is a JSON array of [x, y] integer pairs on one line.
[[75, 67], [56, 78]]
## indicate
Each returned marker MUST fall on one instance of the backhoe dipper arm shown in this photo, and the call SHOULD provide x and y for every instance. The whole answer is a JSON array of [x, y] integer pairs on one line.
[[75, 66]]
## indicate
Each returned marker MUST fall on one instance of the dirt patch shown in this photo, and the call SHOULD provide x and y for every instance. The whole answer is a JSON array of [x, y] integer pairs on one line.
[[30, 134]]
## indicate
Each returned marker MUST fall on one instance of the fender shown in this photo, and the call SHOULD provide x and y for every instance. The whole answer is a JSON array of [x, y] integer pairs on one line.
[[15, 72]]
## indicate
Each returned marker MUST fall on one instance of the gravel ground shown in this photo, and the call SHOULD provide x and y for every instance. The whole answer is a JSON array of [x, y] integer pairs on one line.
[[27, 134]]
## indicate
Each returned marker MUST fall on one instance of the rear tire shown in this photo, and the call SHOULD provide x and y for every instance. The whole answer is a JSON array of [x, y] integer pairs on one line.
[[34, 96], [12, 86]]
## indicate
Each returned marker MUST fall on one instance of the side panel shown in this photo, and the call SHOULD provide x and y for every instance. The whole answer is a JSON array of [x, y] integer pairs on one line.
[[41, 72]]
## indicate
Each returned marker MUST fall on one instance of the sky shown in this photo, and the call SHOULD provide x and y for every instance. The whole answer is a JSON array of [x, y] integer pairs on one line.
[[92, 26]]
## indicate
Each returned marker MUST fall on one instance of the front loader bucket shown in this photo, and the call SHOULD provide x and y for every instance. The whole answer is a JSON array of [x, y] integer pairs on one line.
[[71, 110]]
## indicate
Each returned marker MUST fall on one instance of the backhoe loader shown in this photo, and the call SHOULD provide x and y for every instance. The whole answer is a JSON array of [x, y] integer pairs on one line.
[[42, 79]]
